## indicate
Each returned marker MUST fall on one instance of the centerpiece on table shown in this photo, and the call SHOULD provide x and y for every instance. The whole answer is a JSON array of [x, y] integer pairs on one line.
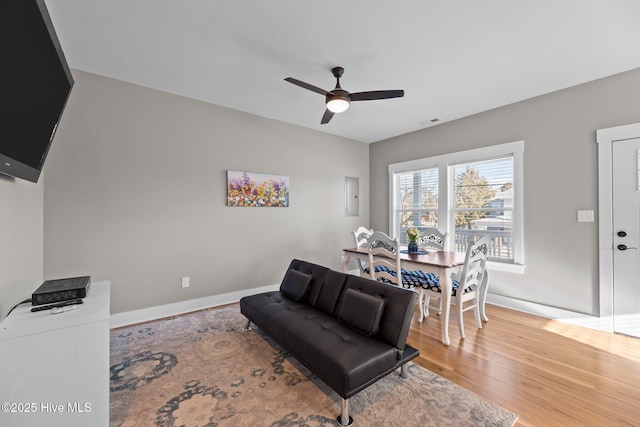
[[412, 234]]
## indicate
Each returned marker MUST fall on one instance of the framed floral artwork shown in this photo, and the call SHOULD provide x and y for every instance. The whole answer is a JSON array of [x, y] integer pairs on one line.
[[257, 189]]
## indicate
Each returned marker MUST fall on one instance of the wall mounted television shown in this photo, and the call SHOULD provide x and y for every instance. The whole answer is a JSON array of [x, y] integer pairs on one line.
[[35, 87]]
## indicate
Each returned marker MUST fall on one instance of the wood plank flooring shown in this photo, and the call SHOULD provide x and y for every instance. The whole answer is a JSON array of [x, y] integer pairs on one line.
[[548, 372]]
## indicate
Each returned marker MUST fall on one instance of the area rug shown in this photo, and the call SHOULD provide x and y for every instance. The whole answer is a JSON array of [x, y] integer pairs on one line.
[[203, 370]]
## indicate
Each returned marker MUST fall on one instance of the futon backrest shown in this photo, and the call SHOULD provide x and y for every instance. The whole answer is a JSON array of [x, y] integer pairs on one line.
[[399, 304], [319, 296], [327, 287]]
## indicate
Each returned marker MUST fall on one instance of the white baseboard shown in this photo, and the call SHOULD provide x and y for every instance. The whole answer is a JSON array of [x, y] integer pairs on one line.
[[152, 313], [158, 312], [572, 317]]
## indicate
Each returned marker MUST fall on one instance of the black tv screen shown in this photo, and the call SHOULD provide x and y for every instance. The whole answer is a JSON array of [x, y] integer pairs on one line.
[[35, 85]]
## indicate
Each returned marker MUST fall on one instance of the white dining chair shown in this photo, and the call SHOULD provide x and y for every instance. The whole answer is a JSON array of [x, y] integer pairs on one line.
[[467, 285], [360, 236], [470, 282], [384, 258], [431, 238]]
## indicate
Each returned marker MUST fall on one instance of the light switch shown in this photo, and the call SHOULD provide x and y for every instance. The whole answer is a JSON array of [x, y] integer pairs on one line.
[[585, 216]]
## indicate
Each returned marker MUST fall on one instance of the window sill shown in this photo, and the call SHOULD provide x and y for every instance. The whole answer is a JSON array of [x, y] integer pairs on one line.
[[509, 268]]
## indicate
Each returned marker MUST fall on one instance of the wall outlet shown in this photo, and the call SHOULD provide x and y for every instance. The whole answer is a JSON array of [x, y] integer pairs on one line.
[[185, 282], [585, 216]]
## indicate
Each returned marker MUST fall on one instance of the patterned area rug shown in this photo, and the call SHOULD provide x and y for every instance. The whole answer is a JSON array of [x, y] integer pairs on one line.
[[202, 370]]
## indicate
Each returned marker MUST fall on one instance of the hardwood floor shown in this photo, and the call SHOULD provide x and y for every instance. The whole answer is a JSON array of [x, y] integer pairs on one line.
[[548, 372]]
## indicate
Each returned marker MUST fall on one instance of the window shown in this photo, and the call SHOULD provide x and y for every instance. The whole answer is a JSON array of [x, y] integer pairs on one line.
[[416, 201], [467, 194], [482, 204]]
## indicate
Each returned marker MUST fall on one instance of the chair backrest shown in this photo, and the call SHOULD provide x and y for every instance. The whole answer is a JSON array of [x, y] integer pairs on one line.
[[361, 235], [475, 263], [432, 238], [384, 258]]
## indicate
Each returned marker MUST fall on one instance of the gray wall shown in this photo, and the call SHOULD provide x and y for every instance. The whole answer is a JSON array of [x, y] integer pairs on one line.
[[560, 177], [21, 221], [135, 192]]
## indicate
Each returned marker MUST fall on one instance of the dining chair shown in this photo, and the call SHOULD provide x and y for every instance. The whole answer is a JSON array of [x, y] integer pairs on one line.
[[467, 284], [361, 235], [384, 258], [385, 263], [470, 282], [430, 238]]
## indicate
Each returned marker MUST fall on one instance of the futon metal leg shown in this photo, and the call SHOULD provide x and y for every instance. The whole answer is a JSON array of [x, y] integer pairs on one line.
[[247, 326], [403, 370], [345, 414]]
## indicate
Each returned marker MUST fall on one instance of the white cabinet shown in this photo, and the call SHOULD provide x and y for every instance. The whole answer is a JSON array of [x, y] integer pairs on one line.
[[54, 368]]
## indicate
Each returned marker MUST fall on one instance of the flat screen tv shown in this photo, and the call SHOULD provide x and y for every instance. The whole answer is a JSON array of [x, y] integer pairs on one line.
[[35, 85]]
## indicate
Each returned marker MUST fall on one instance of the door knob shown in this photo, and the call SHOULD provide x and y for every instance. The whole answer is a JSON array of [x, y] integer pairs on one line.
[[624, 247]]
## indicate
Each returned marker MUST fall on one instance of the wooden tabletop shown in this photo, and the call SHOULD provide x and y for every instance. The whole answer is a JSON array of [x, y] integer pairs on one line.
[[443, 259]]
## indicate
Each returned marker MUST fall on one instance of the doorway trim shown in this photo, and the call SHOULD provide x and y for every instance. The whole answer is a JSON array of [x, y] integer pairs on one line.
[[605, 138]]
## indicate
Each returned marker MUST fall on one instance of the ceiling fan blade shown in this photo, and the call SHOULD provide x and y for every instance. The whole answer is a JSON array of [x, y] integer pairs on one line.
[[376, 94], [307, 86], [326, 117]]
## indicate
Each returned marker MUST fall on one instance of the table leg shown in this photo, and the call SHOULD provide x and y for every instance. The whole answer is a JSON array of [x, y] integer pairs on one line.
[[446, 285], [421, 302], [484, 287], [345, 262]]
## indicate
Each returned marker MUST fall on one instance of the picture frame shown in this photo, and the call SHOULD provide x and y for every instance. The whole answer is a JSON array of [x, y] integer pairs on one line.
[[252, 189]]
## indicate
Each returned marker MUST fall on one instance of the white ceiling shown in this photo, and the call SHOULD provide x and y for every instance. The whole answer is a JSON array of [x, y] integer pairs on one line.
[[452, 58]]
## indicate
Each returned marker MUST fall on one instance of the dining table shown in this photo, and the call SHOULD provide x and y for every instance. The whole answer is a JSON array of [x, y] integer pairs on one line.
[[441, 263]]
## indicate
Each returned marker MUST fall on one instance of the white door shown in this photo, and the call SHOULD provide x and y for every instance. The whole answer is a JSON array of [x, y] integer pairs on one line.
[[626, 236]]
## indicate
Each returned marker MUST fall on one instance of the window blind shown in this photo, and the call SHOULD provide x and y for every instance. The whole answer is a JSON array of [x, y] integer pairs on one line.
[[482, 204], [415, 201]]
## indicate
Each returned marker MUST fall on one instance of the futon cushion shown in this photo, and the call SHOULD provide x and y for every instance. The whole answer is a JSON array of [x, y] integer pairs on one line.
[[295, 285], [361, 311]]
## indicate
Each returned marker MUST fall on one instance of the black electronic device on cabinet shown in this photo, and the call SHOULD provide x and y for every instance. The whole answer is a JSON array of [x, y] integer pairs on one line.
[[53, 291]]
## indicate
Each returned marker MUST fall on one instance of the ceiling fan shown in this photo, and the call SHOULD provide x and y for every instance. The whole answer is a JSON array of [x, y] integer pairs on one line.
[[338, 99]]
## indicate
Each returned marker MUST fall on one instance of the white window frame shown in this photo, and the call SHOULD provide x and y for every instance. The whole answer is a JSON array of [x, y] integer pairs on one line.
[[442, 162]]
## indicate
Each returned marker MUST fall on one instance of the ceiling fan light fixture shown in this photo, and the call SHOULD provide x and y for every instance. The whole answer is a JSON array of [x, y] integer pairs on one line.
[[337, 104]]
